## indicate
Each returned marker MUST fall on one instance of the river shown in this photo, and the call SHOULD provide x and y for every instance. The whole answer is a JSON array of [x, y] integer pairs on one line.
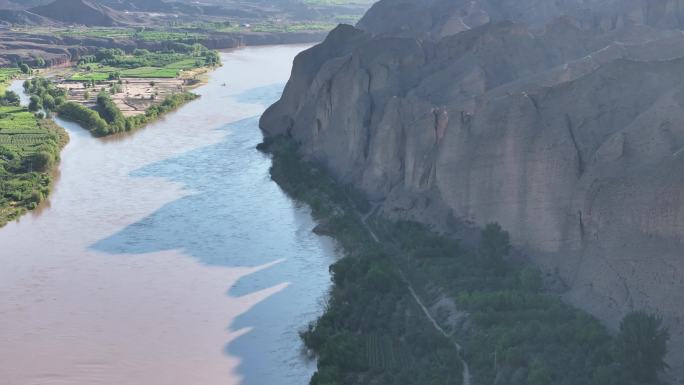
[[167, 257]]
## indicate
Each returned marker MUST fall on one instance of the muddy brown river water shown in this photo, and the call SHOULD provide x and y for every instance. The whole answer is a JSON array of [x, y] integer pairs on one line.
[[167, 257]]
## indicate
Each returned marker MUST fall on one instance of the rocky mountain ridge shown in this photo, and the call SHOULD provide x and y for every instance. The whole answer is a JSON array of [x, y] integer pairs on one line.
[[82, 12], [566, 126]]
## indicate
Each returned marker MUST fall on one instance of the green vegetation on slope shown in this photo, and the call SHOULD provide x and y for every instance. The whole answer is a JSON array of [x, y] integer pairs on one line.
[[29, 149], [511, 331]]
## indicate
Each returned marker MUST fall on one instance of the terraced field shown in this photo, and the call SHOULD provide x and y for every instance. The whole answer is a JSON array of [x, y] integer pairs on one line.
[[29, 149]]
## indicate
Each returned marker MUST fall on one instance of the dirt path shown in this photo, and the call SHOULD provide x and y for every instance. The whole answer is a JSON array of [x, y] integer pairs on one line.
[[466, 369]]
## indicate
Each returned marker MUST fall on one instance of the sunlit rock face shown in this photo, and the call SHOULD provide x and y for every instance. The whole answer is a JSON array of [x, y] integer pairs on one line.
[[565, 125]]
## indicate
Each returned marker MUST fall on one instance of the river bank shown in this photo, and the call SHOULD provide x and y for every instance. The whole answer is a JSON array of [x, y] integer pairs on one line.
[[177, 212], [30, 143], [374, 330], [510, 329]]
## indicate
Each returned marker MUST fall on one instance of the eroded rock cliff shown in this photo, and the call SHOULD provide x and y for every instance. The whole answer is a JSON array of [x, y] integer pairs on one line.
[[569, 131]]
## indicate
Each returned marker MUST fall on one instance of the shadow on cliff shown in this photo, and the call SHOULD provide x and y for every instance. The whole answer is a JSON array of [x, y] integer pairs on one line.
[[234, 215]]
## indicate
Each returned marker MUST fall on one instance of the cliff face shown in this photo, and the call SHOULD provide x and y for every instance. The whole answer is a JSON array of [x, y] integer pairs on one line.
[[571, 138]]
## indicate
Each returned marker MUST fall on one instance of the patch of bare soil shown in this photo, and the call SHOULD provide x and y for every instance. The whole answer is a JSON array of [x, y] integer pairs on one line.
[[133, 96]]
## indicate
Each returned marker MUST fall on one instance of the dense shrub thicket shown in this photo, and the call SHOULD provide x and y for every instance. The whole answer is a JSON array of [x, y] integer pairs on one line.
[[84, 116]]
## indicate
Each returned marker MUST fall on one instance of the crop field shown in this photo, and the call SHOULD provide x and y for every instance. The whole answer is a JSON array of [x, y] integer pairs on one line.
[[386, 353], [29, 147], [21, 132], [6, 74], [174, 65], [17, 120], [102, 74]]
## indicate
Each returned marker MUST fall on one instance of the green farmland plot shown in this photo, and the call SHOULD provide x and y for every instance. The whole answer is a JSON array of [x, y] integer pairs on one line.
[[7, 74], [29, 149], [103, 73], [16, 120], [145, 64]]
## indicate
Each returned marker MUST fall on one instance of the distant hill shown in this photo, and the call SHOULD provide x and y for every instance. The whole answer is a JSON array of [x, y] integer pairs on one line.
[[21, 4], [20, 17], [84, 12]]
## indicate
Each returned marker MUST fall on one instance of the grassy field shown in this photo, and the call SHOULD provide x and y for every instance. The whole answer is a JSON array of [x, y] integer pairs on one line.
[[29, 148], [6, 74]]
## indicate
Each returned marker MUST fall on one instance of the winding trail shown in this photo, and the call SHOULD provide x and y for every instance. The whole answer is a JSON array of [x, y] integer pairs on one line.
[[459, 349]]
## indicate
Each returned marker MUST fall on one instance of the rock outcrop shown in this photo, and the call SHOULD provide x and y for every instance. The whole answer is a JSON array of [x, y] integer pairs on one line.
[[567, 130]]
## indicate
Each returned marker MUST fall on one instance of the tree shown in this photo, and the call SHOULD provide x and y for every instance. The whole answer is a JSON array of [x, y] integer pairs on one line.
[[642, 345], [24, 68], [495, 243], [35, 104], [49, 102], [41, 161], [11, 98]]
